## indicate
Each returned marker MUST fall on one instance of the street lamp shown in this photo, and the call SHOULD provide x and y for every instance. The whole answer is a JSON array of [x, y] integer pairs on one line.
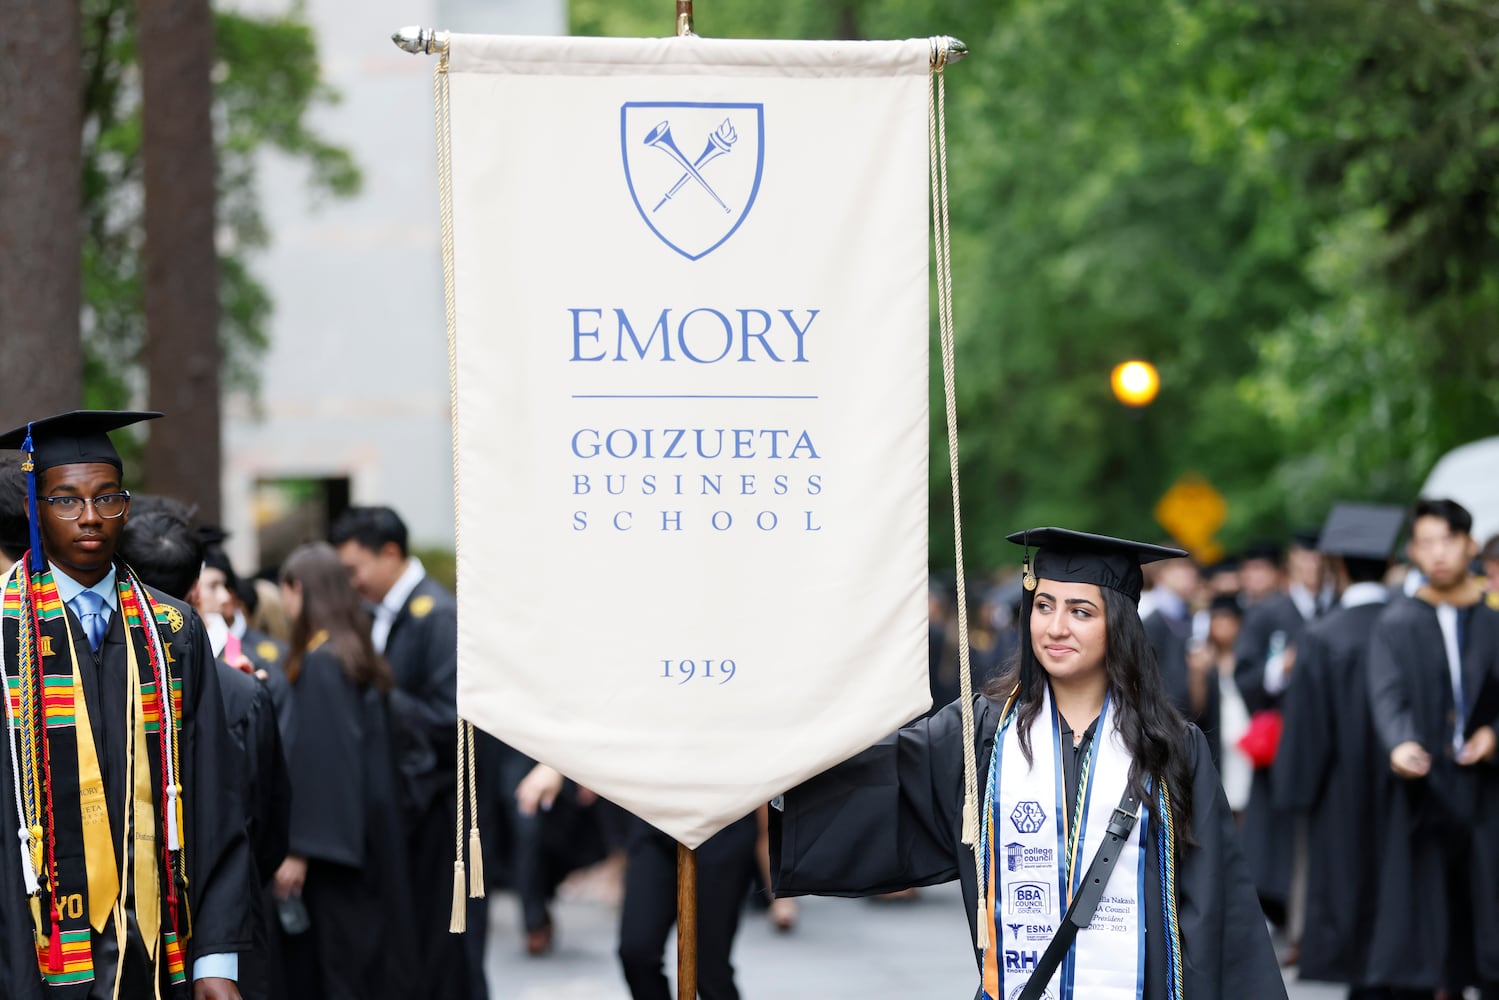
[[1135, 383]]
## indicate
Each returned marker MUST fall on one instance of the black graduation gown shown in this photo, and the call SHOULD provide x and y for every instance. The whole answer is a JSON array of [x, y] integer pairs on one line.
[[891, 818], [1268, 833], [269, 654], [422, 650], [344, 821], [1170, 639], [1453, 812], [1331, 769], [266, 786], [218, 852]]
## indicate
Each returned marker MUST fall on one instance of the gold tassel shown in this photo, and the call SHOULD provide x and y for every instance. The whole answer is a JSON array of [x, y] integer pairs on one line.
[[475, 864], [970, 820], [983, 926], [459, 922]]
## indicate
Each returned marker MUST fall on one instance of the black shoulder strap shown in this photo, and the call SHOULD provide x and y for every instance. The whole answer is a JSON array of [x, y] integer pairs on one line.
[[1080, 913]]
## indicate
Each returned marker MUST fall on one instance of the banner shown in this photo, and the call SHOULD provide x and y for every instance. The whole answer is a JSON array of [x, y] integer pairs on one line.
[[691, 429]]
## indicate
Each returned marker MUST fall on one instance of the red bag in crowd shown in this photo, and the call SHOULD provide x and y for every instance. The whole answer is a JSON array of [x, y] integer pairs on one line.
[[1262, 738]]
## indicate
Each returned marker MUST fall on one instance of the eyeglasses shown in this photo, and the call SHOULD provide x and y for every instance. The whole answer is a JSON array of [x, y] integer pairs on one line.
[[108, 505]]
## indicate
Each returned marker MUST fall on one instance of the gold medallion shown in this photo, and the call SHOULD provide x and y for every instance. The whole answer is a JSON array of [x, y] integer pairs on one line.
[[174, 617], [267, 651], [421, 607]]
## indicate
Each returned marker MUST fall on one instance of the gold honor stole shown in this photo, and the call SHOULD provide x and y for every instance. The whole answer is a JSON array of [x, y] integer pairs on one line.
[[70, 853], [1037, 859]]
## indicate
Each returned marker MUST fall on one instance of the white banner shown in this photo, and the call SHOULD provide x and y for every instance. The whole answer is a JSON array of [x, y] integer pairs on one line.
[[692, 377]]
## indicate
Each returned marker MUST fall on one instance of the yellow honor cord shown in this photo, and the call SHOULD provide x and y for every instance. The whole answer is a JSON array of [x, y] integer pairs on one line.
[[141, 827], [98, 842]]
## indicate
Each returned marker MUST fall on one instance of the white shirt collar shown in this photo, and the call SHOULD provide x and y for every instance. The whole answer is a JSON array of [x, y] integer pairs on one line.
[[69, 588], [396, 597], [1305, 600], [1367, 592], [239, 626]]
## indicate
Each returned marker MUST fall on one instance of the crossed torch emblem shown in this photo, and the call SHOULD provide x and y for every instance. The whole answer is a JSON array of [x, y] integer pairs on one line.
[[720, 141]]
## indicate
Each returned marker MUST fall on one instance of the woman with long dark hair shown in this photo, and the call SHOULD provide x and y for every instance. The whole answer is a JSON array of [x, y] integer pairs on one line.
[[344, 868], [1108, 868]]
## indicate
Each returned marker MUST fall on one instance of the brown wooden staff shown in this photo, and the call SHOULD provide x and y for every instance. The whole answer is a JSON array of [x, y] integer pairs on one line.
[[686, 923], [686, 856]]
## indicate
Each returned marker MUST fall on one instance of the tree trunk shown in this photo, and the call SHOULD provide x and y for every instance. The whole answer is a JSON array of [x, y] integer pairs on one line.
[[41, 164], [181, 269]]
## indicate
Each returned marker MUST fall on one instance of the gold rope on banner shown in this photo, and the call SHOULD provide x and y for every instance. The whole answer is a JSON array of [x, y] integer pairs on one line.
[[463, 771], [942, 238]]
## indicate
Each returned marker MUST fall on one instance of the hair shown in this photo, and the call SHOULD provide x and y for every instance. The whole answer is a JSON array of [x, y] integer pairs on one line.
[[371, 527], [161, 545], [1362, 570], [1490, 549], [15, 530], [214, 557], [1455, 514], [330, 604], [1154, 732]]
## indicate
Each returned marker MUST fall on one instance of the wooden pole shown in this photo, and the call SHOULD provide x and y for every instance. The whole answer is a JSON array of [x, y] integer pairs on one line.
[[684, 18], [686, 923]]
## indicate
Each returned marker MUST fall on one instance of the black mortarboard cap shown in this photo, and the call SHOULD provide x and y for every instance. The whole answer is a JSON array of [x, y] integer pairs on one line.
[[1264, 550], [80, 437], [1306, 538], [1362, 530], [1078, 557]]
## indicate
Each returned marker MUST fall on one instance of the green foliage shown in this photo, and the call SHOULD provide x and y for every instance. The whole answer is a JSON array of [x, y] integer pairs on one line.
[[1288, 206], [266, 81]]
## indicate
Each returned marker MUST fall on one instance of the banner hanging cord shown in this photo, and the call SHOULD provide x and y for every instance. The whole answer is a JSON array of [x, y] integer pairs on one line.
[[466, 757], [942, 239]]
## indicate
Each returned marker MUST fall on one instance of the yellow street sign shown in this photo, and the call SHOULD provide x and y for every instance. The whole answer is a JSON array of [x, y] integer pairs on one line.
[[1193, 511]]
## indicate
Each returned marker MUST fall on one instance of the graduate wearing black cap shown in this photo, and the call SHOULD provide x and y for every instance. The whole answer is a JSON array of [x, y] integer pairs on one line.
[[127, 864], [1329, 767], [1076, 725], [1433, 661], [1263, 655]]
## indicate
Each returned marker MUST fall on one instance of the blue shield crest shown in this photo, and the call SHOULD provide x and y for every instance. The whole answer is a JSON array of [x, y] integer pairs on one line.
[[693, 168]]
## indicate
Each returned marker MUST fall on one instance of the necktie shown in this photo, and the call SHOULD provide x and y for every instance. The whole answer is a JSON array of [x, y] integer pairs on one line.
[[91, 612]]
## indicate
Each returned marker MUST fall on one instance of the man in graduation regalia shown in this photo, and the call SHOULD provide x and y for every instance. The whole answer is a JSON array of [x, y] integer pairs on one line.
[[127, 864], [1169, 625], [1329, 767], [1433, 663], [1263, 656], [415, 627]]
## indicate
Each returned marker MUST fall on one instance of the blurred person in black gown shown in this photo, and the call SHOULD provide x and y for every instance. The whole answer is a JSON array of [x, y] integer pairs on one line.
[[14, 528], [1433, 671], [1192, 689], [1264, 655], [347, 862], [162, 545], [414, 627], [892, 816], [725, 868], [1329, 767]]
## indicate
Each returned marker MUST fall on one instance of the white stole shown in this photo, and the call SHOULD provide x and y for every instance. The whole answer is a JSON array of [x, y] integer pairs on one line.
[[1034, 886]]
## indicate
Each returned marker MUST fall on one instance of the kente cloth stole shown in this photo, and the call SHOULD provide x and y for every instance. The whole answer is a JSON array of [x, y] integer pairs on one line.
[[1037, 859], [69, 854]]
